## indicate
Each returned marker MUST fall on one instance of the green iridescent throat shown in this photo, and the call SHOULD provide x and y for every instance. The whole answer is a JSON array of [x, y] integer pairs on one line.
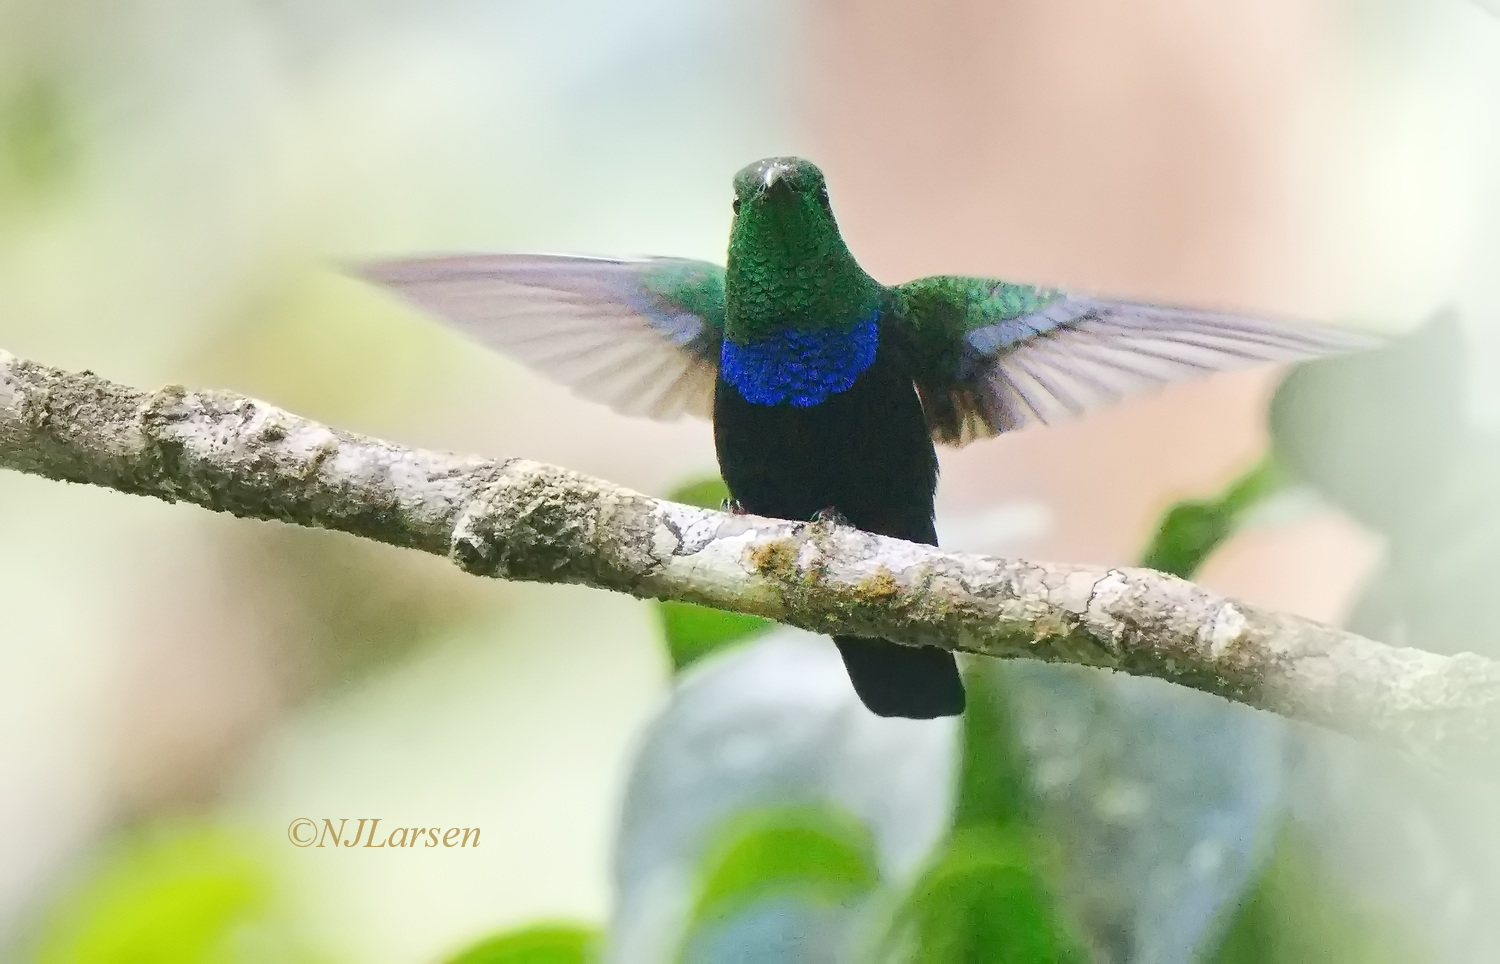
[[789, 268]]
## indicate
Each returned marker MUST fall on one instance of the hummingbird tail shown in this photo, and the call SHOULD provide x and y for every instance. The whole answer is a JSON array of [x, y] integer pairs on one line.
[[915, 682]]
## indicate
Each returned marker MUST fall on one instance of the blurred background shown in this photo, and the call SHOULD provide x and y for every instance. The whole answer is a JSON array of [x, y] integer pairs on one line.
[[179, 182]]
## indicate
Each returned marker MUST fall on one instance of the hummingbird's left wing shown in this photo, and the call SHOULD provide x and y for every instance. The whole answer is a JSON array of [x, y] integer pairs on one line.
[[640, 335], [994, 356]]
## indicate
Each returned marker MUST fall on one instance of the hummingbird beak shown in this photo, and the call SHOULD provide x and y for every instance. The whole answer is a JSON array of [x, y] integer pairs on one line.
[[778, 179]]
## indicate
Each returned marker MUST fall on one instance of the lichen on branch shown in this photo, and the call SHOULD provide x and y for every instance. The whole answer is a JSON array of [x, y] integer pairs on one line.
[[523, 520]]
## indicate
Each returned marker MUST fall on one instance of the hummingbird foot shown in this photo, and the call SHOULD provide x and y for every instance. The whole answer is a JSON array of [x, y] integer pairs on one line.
[[733, 507], [831, 516]]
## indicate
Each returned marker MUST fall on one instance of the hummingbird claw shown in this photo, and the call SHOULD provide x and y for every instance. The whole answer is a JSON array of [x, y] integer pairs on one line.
[[733, 507], [831, 516]]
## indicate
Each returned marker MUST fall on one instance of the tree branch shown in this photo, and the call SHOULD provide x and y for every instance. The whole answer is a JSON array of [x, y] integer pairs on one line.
[[516, 519]]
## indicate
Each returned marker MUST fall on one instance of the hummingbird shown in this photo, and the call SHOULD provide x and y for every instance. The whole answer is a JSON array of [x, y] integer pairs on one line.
[[827, 389]]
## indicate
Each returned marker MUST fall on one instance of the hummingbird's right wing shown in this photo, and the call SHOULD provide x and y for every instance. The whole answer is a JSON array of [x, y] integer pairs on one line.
[[992, 356], [640, 335]]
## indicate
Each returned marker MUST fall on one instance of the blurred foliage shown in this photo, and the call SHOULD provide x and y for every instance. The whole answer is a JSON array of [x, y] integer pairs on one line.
[[1377, 432], [693, 632], [815, 853], [992, 781], [1193, 528], [984, 901], [986, 897], [778, 879], [770, 724], [1348, 425], [991, 892], [709, 492], [170, 895], [1296, 912], [1385, 436], [1388, 437], [982, 897], [37, 144], [1440, 557], [550, 943]]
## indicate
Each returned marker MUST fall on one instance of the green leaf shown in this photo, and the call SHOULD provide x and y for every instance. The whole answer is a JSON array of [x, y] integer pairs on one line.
[[548, 943], [168, 895], [986, 897], [1192, 529], [1297, 912], [992, 787], [815, 853], [693, 632], [1387, 436], [708, 492], [983, 902]]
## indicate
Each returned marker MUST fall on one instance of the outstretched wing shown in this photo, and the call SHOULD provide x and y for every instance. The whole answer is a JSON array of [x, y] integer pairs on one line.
[[640, 335], [994, 356]]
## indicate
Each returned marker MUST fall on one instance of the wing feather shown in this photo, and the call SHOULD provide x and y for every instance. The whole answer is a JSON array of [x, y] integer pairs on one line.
[[994, 356], [640, 335]]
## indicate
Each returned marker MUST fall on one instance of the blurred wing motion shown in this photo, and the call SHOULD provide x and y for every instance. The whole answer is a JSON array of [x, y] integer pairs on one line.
[[995, 356], [640, 335]]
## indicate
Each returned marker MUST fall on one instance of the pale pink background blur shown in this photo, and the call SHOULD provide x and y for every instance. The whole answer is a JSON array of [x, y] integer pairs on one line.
[[1156, 150], [1287, 157]]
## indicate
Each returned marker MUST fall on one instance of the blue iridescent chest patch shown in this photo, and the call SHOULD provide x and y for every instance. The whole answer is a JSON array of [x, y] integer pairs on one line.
[[803, 367]]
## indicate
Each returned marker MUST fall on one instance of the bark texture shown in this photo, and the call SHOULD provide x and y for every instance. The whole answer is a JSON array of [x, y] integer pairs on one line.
[[517, 519]]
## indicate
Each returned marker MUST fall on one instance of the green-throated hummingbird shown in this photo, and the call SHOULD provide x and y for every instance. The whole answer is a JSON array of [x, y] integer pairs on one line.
[[827, 389]]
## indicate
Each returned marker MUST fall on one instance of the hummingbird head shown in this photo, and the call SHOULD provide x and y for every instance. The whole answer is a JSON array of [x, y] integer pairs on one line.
[[788, 264], [781, 183]]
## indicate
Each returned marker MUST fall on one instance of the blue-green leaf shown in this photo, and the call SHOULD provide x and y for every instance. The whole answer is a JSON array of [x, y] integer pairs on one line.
[[1297, 912], [816, 852], [1378, 432], [1192, 529], [768, 724], [780, 879], [983, 901]]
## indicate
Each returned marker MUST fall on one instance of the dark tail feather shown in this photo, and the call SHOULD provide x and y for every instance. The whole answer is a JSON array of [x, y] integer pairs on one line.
[[918, 683]]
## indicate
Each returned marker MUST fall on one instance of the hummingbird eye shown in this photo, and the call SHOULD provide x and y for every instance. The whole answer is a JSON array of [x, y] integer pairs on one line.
[[735, 207]]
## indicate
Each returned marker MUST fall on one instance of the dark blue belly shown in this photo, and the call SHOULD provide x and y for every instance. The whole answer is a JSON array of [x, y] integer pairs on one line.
[[864, 451]]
